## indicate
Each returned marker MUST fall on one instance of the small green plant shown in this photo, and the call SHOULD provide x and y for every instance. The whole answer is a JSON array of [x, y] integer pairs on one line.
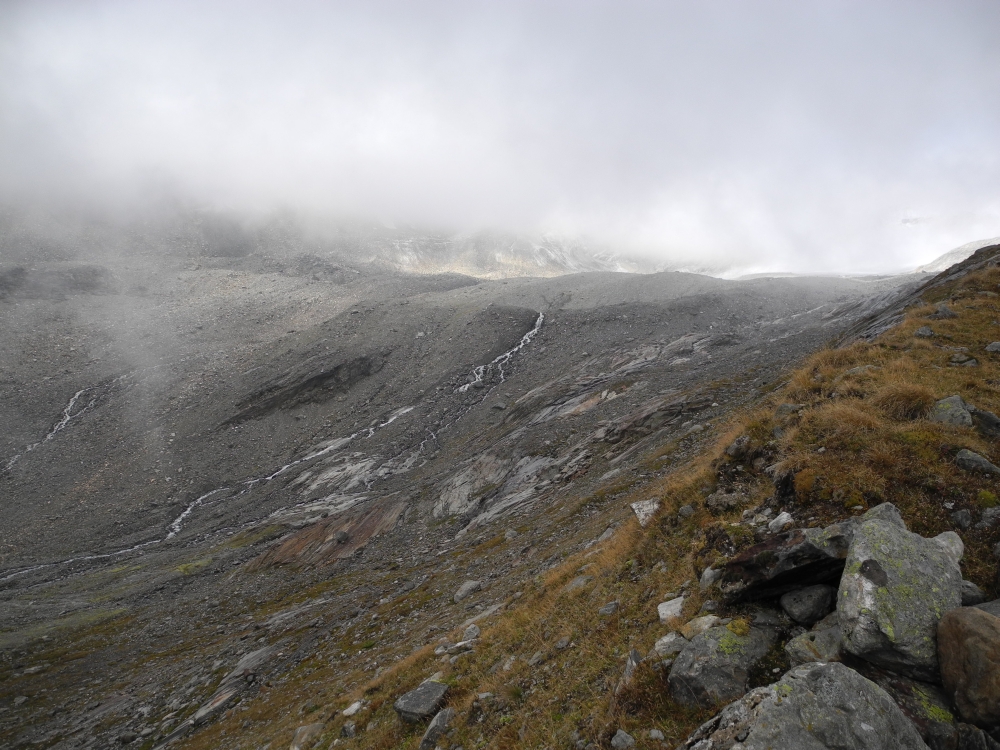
[[987, 499]]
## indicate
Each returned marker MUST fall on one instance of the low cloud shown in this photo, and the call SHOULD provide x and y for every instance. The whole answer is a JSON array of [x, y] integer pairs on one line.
[[819, 136]]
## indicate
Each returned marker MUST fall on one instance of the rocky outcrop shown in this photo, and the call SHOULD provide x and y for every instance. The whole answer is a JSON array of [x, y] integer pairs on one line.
[[813, 707], [789, 561], [715, 666], [968, 642], [895, 588]]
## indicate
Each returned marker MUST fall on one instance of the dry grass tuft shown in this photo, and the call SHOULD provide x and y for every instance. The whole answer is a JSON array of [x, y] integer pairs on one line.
[[904, 401]]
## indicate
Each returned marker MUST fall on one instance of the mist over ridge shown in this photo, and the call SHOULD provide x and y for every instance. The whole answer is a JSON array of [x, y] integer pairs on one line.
[[775, 138]]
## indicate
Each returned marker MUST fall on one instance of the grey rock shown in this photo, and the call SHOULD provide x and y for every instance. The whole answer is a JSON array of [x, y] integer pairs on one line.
[[422, 702], [786, 410], [306, 736], [810, 604], [952, 544], [436, 729], [989, 519], [973, 738], [962, 519], [348, 730], [20, 700], [813, 707], [951, 410], [622, 740], [719, 502], [577, 583], [924, 704], [972, 594], [645, 510], [994, 347], [608, 609], [670, 645], [815, 646], [708, 578], [986, 423], [966, 459], [467, 589], [832, 620], [685, 511], [471, 633], [563, 643], [924, 332], [895, 588], [632, 662], [943, 312], [992, 607], [655, 734], [537, 658], [671, 609], [739, 447], [782, 521], [715, 666], [699, 625]]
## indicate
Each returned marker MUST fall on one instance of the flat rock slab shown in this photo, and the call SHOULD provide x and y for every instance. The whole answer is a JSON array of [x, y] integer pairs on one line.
[[895, 588], [715, 666], [813, 707], [422, 702], [788, 561], [969, 649]]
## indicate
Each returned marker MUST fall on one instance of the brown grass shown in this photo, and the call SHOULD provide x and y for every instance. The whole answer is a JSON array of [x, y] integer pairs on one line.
[[904, 401]]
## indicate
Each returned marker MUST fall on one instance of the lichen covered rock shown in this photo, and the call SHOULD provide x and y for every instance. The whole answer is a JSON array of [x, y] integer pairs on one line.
[[813, 707], [715, 666], [896, 587]]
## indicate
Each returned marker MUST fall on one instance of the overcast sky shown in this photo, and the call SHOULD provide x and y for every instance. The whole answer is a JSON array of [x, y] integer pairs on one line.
[[829, 136]]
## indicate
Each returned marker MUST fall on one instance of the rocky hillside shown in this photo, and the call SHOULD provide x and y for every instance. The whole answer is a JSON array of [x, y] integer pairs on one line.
[[262, 499], [820, 579]]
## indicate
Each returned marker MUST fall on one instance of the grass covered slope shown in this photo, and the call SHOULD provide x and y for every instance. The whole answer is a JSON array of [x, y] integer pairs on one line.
[[847, 431]]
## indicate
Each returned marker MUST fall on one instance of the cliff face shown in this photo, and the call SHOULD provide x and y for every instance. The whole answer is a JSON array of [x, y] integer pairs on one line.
[[209, 455]]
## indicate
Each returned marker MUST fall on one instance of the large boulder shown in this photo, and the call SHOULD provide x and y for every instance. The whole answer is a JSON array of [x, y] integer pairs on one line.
[[813, 707], [895, 588], [788, 561], [968, 641], [715, 666]]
